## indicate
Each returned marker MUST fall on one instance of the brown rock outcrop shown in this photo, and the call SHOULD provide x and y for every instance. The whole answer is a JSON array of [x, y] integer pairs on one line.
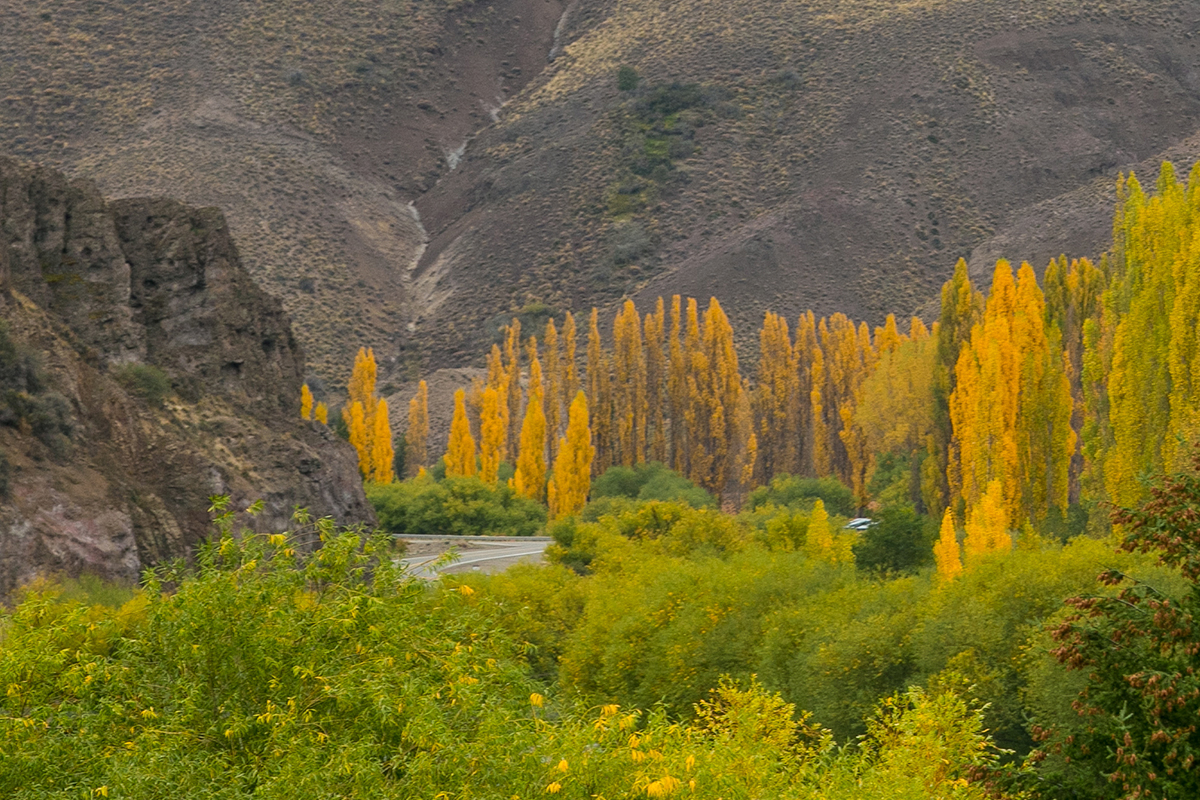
[[88, 288]]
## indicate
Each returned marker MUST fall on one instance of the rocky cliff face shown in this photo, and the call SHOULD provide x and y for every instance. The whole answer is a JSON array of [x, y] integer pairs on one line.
[[100, 299]]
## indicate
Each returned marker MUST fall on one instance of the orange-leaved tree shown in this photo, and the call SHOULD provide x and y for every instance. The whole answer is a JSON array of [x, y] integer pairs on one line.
[[383, 453], [460, 450], [572, 479]]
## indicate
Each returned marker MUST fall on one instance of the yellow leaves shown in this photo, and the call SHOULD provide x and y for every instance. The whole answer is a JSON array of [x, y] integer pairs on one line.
[[573, 468], [100, 791], [306, 402], [416, 439], [554, 788], [460, 454], [321, 413], [663, 787], [946, 552], [277, 539], [536, 700], [690, 763], [465, 591], [149, 713], [563, 766], [382, 451]]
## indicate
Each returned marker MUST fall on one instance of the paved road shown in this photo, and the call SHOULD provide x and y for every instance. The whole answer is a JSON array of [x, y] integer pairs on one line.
[[475, 553]]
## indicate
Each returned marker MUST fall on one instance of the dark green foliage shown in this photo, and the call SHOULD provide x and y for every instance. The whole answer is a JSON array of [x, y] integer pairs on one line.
[[455, 506], [900, 541], [1139, 650], [144, 380], [788, 490], [5, 475], [627, 78], [650, 481]]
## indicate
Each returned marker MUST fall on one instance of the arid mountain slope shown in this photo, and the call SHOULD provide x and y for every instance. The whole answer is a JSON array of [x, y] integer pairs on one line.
[[833, 154], [141, 372], [311, 123], [837, 155]]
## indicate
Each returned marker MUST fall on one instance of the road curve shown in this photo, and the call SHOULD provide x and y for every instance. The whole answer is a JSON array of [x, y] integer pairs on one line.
[[475, 553]]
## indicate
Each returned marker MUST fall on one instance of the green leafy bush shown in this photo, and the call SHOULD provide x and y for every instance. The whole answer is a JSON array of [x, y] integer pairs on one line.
[[899, 541], [455, 506], [792, 491], [144, 380], [650, 481]]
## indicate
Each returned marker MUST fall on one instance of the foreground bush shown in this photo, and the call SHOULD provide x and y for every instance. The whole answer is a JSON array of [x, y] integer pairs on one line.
[[264, 673]]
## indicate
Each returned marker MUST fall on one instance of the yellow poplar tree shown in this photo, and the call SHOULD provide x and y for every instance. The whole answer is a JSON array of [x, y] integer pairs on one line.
[[529, 480], [554, 387], [498, 380], [947, 553], [656, 388], [777, 399], [383, 453], [822, 458], [987, 525], [600, 395], [460, 450], [804, 346], [819, 542], [629, 396], [570, 370], [491, 435], [416, 440], [321, 414], [512, 373], [361, 389], [356, 425], [306, 402], [571, 481], [677, 388]]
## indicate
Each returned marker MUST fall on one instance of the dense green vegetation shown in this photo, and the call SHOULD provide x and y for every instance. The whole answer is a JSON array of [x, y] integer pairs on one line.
[[263, 672], [454, 506], [686, 652]]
